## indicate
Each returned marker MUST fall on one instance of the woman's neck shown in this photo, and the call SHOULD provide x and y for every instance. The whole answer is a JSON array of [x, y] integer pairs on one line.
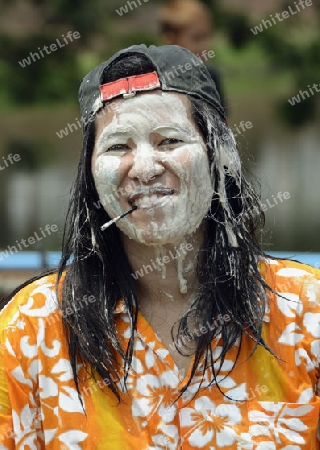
[[167, 272], [167, 285]]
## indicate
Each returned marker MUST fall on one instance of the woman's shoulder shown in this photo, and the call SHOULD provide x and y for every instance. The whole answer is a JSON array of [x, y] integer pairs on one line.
[[295, 298], [37, 299], [284, 275]]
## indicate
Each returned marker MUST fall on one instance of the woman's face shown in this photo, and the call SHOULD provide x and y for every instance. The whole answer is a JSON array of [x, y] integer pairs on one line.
[[149, 153]]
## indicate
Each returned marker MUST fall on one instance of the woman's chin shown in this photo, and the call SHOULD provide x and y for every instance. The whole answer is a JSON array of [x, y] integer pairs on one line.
[[151, 234]]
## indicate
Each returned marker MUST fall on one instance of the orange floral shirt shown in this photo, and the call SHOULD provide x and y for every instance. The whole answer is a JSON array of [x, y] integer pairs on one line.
[[275, 400]]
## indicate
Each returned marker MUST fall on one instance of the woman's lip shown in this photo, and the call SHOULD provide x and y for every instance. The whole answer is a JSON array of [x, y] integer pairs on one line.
[[150, 201], [150, 193]]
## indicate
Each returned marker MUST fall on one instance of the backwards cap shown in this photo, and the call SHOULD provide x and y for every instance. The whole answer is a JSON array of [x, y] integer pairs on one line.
[[176, 69]]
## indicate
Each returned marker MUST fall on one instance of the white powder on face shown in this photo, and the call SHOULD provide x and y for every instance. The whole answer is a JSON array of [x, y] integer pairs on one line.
[[139, 120], [106, 176]]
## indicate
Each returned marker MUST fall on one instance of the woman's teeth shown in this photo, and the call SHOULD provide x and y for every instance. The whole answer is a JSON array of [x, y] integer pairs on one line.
[[147, 201]]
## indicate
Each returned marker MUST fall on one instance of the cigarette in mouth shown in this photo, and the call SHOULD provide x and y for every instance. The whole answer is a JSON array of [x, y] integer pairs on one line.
[[111, 222]]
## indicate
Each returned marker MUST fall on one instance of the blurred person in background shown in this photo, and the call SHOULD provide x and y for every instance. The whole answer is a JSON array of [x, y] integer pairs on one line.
[[165, 326], [188, 23]]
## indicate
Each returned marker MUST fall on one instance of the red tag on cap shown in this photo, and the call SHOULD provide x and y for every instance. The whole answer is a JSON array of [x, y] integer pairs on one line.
[[129, 86]]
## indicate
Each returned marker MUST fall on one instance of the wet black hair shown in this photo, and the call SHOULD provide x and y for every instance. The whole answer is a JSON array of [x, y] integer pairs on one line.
[[94, 263]]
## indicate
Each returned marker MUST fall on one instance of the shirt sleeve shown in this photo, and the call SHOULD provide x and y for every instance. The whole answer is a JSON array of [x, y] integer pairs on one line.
[[298, 310], [6, 423], [20, 426]]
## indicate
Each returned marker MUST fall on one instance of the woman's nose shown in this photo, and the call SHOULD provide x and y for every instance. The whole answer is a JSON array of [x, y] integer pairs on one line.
[[145, 165]]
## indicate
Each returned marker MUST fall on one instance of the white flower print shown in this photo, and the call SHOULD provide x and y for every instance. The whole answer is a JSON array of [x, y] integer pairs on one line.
[[289, 336], [306, 396], [154, 394], [313, 290], [69, 400], [167, 439], [315, 350], [266, 446], [289, 304], [209, 422], [280, 419], [292, 272], [48, 306], [48, 387], [72, 439], [312, 323], [26, 427]]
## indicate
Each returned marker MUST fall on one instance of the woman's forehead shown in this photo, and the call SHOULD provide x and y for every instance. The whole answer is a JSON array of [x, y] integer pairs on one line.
[[155, 108]]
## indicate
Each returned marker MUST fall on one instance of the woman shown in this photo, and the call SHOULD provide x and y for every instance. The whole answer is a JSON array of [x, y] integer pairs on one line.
[[162, 329]]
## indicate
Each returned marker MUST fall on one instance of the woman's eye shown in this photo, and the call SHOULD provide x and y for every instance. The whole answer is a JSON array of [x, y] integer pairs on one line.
[[170, 141], [118, 147]]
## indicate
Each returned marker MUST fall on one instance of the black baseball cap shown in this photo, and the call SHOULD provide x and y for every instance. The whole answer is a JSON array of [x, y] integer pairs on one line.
[[176, 69]]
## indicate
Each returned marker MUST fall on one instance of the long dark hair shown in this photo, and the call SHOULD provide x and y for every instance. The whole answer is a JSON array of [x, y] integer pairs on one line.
[[228, 273]]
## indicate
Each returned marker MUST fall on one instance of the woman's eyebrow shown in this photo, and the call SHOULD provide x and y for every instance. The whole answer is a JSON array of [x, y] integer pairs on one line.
[[173, 127], [108, 134]]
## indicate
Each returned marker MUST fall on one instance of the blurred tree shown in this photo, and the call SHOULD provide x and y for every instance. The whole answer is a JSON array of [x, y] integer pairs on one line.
[[234, 23], [41, 80], [296, 50], [30, 25], [55, 77], [289, 47], [237, 27]]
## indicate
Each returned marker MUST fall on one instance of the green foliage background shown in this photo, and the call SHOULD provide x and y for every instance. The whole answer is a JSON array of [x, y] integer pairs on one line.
[[292, 47]]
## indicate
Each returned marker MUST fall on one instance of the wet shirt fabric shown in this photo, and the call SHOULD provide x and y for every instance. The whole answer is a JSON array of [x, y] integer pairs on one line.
[[277, 403]]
